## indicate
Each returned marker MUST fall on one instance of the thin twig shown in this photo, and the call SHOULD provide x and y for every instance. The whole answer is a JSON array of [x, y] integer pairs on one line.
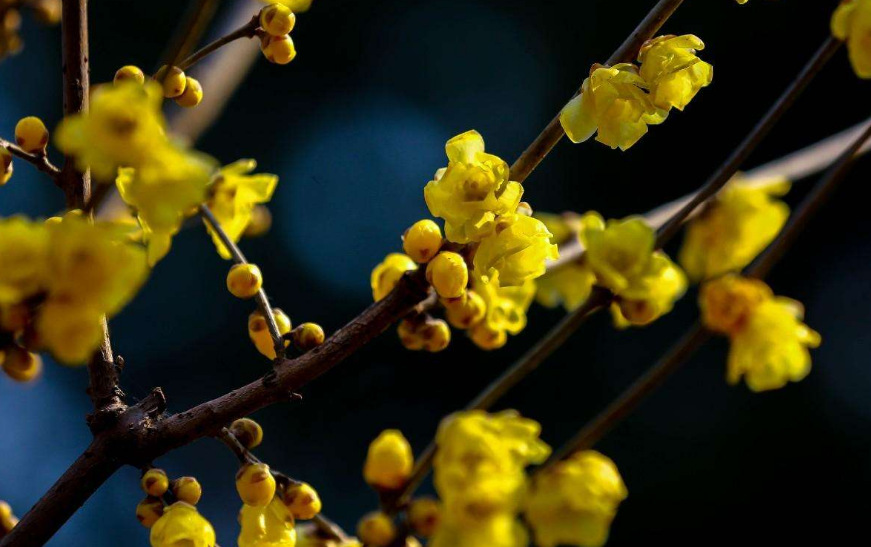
[[248, 30], [40, 161], [189, 33], [261, 298]]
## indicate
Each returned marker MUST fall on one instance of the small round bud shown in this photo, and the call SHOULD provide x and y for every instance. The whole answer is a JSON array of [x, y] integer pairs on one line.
[[389, 461], [302, 500], [258, 331], [148, 511], [155, 482], [448, 274], [422, 241], [173, 81], [376, 530], [21, 365], [244, 280], [307, 336], [436, 335], [7, 519], [31, 135], [465, 312], [129, 73], [277, 19], [193, 93], [424, 515], [248, 432], [486, 338], [282, 320], [409, 336], [255, 484], [278, 49], [5, 165], [261, 221], [186, 489]]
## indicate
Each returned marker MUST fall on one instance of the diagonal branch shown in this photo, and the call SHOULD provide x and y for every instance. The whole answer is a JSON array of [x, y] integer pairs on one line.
[[40, 161]]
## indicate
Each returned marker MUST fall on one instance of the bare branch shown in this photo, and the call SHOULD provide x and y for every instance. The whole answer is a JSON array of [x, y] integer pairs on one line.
[[40, 161], [248, 30]]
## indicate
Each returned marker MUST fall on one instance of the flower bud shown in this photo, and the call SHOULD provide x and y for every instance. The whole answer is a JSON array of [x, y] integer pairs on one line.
[[248, 432], [31, 135], [155, 482], [424, 515], [193, 93], [129, 73], [436, 335], [244, 280], [21, 365], [386, 275], [148, 511], [186, 489], [7, 519], [389, 461], [173, 81], [448, 274], [255, 484], [486, 338], [376, 530], [261, 221], [307, 336], [5, 165], [302, 500], [422, 241], [278, 49], [277, 19], [465, 312]]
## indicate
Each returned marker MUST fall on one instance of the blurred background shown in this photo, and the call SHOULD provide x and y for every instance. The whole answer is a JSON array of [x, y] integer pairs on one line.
[[355, 127]]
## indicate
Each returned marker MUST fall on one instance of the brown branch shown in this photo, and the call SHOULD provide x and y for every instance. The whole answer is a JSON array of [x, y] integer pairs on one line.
[[40, 161], [628, 50], [76, 82], [248, 30]]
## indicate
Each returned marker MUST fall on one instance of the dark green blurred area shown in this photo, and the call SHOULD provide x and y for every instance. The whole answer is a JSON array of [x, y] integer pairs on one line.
[[355, 127]]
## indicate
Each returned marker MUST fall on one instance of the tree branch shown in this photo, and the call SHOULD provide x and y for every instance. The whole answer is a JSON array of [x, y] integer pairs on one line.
[[248, 30], [40, 161], [76, 82]]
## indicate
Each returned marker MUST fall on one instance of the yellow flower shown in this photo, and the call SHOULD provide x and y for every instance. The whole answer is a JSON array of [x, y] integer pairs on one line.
[[124, 127], [163, 191], [268, 526], [296, 6], [570, 284], [501, 530], [671, 68], [506, 306], [613, 101], [472, 190], [23, 251], [235, 193], [651, 294], [728, 302], [389, 460], [730, 232], [387, 274], [182, 526], [852, 22], [574, 502], [772, 349], [619, 252], [70, 329], [516, 252]]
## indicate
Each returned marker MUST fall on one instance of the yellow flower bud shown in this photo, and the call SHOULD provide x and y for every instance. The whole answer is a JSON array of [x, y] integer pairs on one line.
[[432, 335], [192, 95], [155, 482], [389, 461], [448, 274], [727, 302], [248, 432], [387, 274], [7, 519], [255, 484], [258, 331], [466, 311], [424, 515], [244, 280], [182, 526], [173, 81], [301, 500], [148, 511], [307, 336], [5, 165], [277, 19], [278, 49], [186, 489], [31, 135], [488, 338], [21, 365], [422, 241], [376, 530], [261, 221], [129, 73]]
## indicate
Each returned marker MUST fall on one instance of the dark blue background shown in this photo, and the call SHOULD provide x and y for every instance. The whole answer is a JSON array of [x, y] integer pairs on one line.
[[355, 127]]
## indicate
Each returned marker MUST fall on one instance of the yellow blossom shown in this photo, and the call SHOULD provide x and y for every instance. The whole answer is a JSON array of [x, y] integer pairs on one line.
[[70, 329], [296, 6], [387, 274], [389, 460], [234, 194], [124, 127], [182, 526], [613, 102], [619, 252], [851, 22], [671, 68], [269, 526], [568, 284], [574, 502], [734, 228], [728, 302], [472, 190], [502, 530], [506, 306], [516, 252], [651, 294], [23, 248]]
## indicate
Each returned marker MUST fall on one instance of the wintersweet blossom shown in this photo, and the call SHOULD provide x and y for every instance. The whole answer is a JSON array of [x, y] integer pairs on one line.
[[271, 525], [574, 502], [182, 526], [23, 247], [851, 22], [651, 294], [506, 306], [387, 274], [569, 284], [516, 252], [673, 71], [472, 190]]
